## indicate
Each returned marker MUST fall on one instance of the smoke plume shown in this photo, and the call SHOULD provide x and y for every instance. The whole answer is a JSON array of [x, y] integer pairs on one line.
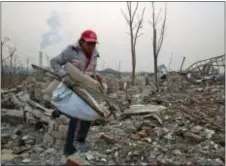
[[53, 36]]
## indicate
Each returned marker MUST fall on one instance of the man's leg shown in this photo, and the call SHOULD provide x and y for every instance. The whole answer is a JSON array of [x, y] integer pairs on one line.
[[83, 131], [69, 147], [81, 135]]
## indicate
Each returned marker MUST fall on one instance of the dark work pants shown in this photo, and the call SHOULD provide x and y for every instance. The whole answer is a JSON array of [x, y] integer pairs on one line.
[[76, 129]]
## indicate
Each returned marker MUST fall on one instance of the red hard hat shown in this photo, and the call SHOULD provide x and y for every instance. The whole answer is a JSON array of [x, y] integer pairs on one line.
[[89, 36]]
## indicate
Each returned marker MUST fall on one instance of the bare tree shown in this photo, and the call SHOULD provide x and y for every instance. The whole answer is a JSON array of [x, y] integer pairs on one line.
[[134, 31], [157, 41], [12, 51], [27, 66], [5, 39]]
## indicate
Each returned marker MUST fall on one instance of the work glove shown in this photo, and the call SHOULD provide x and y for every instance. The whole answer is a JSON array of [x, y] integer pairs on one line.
[[99, 79], [96, 77], [55, 114], [103, 120], [67, 81]]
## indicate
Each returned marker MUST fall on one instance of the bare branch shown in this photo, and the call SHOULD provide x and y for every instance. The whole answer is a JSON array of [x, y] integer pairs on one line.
[[124, 14], [135, 11], [160, 19], [140, 35], [156, 20], [4, 40], [140, 21], [12, 49], [130, 11], [162, 32], [142, 16], [153, 15], [135, 26], [129, 5], [7, 58]]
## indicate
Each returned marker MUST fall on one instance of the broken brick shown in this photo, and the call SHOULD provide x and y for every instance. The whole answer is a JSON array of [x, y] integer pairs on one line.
[[142, 134], [108, 139], [192, 137], [71, 162], [135, 137]]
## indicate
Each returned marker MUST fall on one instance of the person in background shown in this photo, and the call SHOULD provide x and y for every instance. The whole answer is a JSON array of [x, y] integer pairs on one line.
[[84, 56]]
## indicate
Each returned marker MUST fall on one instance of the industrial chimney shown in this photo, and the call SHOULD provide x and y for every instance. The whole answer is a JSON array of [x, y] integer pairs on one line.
[[40, 58]]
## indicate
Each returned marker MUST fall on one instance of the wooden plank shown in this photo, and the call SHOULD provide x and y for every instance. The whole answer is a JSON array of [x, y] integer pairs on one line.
[[81, 77], [143, 109]]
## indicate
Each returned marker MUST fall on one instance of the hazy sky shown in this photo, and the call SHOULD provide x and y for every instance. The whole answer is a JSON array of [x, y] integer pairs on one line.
[[193, 29]]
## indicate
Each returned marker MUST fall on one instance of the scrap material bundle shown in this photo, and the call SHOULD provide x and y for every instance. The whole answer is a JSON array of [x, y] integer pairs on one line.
[[76, 101]]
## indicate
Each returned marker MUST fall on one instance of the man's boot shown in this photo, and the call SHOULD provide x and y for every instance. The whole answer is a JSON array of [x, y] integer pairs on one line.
[[81, 142]]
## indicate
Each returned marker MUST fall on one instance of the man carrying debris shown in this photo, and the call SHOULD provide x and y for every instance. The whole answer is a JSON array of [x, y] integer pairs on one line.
[[84, 56]]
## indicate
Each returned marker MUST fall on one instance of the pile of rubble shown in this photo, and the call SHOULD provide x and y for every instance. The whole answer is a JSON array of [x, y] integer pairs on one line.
[[183, 124]]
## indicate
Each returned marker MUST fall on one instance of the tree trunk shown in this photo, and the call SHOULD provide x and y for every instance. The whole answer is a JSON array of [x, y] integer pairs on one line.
[[2, 58], [2, 66], [133, 66], [155, 57], [133, 36], [133, 55], [156, 71]]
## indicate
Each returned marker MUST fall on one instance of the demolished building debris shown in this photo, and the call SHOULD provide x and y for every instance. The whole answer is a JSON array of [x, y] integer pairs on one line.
[[209, 66], [183, 124]]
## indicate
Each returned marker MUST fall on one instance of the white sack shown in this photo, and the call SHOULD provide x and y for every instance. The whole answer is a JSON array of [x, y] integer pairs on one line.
[[72, 105]]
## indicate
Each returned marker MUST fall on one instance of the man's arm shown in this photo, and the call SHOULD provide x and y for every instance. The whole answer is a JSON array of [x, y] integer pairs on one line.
[[57, 62], [96, 74]]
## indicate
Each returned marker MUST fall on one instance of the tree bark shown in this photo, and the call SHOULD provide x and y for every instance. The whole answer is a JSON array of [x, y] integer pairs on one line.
[[155, 58], [133, 66], [133, 55], [156, 72]]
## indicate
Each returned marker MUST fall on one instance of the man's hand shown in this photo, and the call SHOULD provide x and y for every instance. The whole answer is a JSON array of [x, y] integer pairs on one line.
[[104, 120], [67, 81], [99, 78], [55, 114]]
